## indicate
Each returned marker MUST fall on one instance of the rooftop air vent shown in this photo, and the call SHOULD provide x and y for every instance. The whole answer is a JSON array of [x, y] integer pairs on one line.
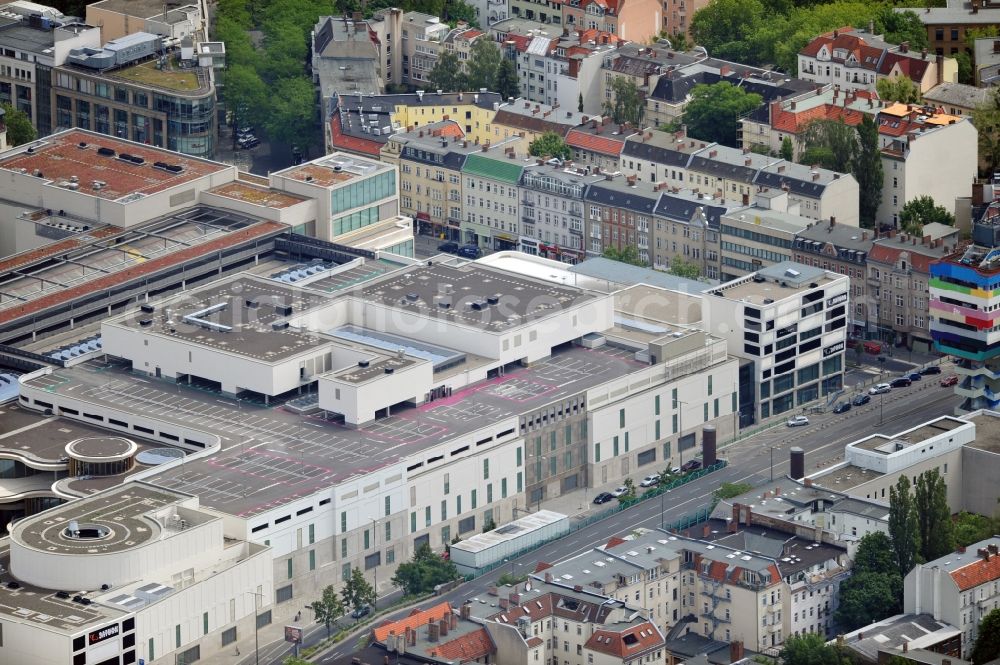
[[279, 325], [283, 310], [146, 307], [145, 323], [389, 370], [494, 299], [363, 363], [412, 296], [107, 152]]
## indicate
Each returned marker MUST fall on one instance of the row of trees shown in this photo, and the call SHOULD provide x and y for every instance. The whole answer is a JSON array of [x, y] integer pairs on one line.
[[356, 595], [760, 32], [486, 68]]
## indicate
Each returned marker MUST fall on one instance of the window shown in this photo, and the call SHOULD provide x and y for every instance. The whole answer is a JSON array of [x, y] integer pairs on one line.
[[486, 470], [289, 562], [388, 507], [427, 516], [312, 559], [228, 637], [343, 522], [413, 522]]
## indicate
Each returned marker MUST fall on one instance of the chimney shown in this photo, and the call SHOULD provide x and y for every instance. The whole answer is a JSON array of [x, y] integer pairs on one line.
[[735, 521], [815, 177], [923, 53], [904, 47], [992, 548], [504, 603], [452, 620], [433, 631], [515, 599], [578, 588], [781, 168], [864, 235], [940, 69], [960, 549], [833, 221], [443, 626], [797, 462], [946, 661], [712, 154], [706, 529], [605, 120], [467, 610], [548, 578], [735, 651], [906, 647], [793, 105], [412, 633]]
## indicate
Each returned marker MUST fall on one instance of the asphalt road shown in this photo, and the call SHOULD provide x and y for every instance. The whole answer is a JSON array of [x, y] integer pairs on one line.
[[749, 461]]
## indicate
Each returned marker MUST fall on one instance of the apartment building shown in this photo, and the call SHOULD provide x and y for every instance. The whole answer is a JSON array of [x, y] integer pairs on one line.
[[553, 212], [687, 225], [963, 301], [899, 273], [429, 162], [960, 588], [677, 15], [958, 99], [460, 40], [525, 119], [346, 58], [795, 360], [118, 18], [633, 20], [841, 249], [789, 118], [949, 27], [925, 153], [599, 143], [619, 215], [411, 43], [546, 12], [854, 59], [489, 185]]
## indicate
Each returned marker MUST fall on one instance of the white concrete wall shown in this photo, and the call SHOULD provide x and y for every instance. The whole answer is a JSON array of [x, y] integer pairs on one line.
[[358, 402], [294, 215], [34, 643]]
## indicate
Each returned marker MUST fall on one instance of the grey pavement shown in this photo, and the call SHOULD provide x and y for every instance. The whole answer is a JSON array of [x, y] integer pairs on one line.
[[749, 461]]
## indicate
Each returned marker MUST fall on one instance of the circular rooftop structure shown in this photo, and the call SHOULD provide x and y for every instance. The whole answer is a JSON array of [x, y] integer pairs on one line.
[[101, 455]]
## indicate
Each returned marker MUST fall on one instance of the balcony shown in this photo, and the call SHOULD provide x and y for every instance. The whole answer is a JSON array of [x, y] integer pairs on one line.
[[526, 202]]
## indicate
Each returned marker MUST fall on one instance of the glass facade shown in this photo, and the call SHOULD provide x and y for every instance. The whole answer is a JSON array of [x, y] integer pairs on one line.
[[355, 221], [363, 192]]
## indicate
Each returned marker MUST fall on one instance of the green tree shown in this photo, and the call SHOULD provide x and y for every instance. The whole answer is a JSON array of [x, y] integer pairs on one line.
[[579, 103], [900, 26], [987, 646], [357, 592], [809, 649], [867, 170], [628, 254], [19, 127], [787, 151], [922, 210], [986, 118], [714, 110], [629, 495], [971, 528], [484, 64], [730, 490], [833, 144], [423, 572], [930, 502], [725, 28], [447, 73], [295, 660], [245, 96], [868, 597], [966, 74], [627, 103], [898, 89], [292, 120], [682, 268], [507, 84], [457, 10], [328, 608], [903, 530], [286, 48], [874, 554], [550, 144]]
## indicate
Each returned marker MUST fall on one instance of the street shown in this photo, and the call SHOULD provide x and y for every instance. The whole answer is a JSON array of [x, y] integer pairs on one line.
[[749, 461]]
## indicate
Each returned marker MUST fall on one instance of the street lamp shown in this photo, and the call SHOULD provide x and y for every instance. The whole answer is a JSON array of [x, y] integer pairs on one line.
[[772, 463], [256, 643]]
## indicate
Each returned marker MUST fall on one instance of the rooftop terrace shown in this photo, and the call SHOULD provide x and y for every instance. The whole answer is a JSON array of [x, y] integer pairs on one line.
[[106, 167], [239, 190], [333, 169], [171, 77]]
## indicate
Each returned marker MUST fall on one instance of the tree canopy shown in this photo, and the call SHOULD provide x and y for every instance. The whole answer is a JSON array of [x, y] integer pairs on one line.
[[425, 571], [875, 588], [930, 503], [810, 649], [19, 127], [714, 110], [328, 608], [507, 84], [971, 528], [550, 144], [729, 490], [898, 89], [867, 170], [483, 65], [923, 210], [357, 592], [682, 268], [832, 144], [874, 554], [987, 646], [628, 254], [903, 531], [627, 103], [447, 74], [986, 118]]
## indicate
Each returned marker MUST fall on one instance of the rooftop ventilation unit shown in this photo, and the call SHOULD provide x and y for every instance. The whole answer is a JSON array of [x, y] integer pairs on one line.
[[280, 325], [494, 299], [363, 363], [792, 272], [145, 323], [389, 370], [283, 310], [107, 152], [147, 308]]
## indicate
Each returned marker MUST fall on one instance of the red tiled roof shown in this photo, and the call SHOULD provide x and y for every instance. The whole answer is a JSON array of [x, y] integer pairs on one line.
[[813, 47], [468, 647], [793, 122], [978, 572], [627, 643], [145, 268], [520, 42], [594, 143], [471, 34], [615, 541], [352, 143], [415, 619], [534, 642], [512, 614], [915, 68], [888, 253]]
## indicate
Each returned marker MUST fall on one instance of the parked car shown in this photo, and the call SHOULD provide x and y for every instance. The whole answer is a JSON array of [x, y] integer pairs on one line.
[[949, 381], [900, 382], [361, 612], [843, 407], [603, 497], [879, 388], [915, 376], [874, 348], [448, 247], [244, 131], [650, 481], [930, 369], [861, 400], [797, 421], [619, 491], [248, 142], [692, 465], [675, 470], [469, 251]]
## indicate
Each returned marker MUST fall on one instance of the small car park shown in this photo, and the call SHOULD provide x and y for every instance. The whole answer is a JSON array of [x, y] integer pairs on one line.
[[797, 421]]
